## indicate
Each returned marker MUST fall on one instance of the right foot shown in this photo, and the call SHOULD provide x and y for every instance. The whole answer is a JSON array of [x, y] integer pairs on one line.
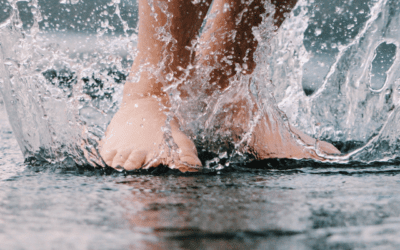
[[270, 140], [135, 139]]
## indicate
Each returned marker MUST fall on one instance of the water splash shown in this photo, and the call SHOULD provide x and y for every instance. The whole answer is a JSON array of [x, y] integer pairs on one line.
[[62, 82], [339, 105], [61, 89]]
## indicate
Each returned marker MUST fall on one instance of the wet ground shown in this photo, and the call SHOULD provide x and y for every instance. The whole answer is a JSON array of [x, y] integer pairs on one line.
[[300, 208]]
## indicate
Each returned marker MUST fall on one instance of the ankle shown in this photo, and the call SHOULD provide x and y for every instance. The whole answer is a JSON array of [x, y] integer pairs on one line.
[[132, 99], [144, 88]]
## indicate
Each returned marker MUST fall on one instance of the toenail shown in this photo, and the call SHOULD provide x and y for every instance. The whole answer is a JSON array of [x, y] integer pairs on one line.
[[119, 168]]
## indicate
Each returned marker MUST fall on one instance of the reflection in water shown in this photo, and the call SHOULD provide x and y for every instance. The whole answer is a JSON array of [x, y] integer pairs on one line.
[[296, 209], [210, 211]]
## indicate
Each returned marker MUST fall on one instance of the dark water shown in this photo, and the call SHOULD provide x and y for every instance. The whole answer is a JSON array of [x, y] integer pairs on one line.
[[301, 208]]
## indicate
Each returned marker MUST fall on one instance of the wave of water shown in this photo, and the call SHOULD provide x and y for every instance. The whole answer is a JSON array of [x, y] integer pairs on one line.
[[62, 88], [351, 93]]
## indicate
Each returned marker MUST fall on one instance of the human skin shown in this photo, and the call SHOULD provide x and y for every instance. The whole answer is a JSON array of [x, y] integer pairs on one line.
[[135, 138], [239, 20]]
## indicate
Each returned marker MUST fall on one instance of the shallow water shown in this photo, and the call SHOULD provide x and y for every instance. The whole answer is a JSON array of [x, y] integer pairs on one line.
[[300, 208]]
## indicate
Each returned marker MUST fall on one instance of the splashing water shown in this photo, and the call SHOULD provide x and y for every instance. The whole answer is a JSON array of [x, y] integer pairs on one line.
[[348, 74], [333, 72], [61, 88]]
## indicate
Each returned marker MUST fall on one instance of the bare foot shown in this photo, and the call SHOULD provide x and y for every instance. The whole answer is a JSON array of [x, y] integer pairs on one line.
[[269, 140], [135, 139], [322, 146]]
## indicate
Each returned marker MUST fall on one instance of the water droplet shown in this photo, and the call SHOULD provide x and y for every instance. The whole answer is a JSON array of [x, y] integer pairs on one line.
[[169, 77], [136, 105], [226, 7], [141, 125], [220, 167], [223, 155], [338, 10]]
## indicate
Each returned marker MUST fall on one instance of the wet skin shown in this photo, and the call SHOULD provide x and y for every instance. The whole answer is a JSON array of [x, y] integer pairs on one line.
[[135, 138]]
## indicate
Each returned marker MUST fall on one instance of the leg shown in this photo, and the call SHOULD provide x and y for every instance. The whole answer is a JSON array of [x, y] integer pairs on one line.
[[135, 137], [168, 53], [282, 7], [229, 45], [229, 41]]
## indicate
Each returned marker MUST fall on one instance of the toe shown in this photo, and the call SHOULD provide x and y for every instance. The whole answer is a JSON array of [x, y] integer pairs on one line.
[[191, 160], [155, 162], [188, 168], [108, 156], [135, 160], [188, 149], [328, 148], [120, 158]]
